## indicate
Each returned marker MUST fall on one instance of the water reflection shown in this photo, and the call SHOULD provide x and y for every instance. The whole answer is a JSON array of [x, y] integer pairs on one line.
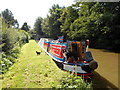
[[100, 82]]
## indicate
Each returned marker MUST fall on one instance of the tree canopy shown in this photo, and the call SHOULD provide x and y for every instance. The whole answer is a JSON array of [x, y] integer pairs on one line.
[[9, 18], [25, 27], [38, 26], [51, 24], [97, 21]]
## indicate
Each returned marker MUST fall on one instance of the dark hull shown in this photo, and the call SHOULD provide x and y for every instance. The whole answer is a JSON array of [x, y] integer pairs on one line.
[[87, 75]]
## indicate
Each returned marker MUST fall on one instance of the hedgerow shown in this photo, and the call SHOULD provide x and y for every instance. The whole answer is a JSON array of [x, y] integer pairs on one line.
[[10, 43]]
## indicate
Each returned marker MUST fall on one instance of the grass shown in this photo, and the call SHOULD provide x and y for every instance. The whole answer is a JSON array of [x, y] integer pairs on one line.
[[32, 71]]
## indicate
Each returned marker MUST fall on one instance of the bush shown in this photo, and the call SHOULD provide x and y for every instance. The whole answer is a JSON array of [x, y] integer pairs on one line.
[[12, 40], [8, 59], [9, 37], [74, 81], [5, 63], [24, 37]]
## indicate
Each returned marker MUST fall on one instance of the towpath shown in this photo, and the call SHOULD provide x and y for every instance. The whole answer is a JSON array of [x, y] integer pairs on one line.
[[32, 70]]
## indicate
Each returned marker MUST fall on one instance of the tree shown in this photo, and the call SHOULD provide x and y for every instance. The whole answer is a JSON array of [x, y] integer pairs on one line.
[[51, 24], [16, 24], [25, 27], [98, 21], [46, 28], [38, 27], [67, 17], [81, 27], [7, 15], [9, 18]]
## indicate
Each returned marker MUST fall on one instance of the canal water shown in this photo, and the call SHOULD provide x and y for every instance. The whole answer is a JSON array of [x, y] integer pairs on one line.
[[106, 75]]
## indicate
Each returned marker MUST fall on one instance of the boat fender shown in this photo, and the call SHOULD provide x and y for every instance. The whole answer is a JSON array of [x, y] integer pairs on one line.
[[86, 68], [93, 65]]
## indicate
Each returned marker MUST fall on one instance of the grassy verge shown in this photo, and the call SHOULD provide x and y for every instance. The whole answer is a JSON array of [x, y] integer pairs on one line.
[[34, 71]]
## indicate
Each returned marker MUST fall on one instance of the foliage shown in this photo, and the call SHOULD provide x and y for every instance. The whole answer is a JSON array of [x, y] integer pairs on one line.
[[32, 34], [67, 17], [12, 40], [9, 38], [9, 18], [38, 27], [8, 59], [24, 37], [51, 24], [73, 81], [25, 27], [46, 26], [96, 21]]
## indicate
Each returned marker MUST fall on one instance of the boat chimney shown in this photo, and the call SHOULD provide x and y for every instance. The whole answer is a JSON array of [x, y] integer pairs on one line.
[[88, 43]]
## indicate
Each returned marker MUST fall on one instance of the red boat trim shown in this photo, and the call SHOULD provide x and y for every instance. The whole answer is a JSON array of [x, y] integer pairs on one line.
[[84, 74]]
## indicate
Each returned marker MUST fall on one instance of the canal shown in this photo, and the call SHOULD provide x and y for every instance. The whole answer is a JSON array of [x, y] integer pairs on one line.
[[106, 75]]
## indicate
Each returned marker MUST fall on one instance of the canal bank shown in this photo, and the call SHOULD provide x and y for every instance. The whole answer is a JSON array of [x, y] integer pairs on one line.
[[106, 75]]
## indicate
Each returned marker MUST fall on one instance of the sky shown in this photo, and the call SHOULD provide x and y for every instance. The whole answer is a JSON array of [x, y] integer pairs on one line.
[[29, 10]]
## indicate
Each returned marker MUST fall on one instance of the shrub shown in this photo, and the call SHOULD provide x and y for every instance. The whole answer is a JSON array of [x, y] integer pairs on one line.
[[12, 40], [24, 37], [74, 81]]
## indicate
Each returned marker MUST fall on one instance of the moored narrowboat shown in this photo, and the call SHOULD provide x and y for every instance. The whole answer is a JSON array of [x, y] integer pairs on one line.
[[72, 56]]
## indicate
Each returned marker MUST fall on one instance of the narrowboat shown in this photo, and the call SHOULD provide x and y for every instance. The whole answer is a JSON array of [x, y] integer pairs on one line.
[[71, 56]]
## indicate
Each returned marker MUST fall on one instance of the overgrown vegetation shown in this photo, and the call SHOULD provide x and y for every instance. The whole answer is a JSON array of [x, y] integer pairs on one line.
[[73, 81], [10, 43]]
